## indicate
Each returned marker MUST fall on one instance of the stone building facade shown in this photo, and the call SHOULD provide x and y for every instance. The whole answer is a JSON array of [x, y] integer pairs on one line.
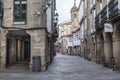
[[99, 23], [26, 32], [65, 31], [75, 29], [70, 37], [87, 29]]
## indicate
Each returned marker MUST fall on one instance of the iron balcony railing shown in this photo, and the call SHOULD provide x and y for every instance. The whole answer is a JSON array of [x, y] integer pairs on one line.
[[104, 15], [114, 8]]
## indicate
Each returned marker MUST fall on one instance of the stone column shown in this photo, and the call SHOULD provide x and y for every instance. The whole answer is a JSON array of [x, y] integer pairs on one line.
[[38, 39], [23, 49], [108, 49], [3, 48], [12, 51], [116, 43], [100, 48], [85, 49], [82, 49]]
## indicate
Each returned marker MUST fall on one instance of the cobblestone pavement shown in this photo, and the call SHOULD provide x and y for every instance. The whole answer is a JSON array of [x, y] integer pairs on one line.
[[64, 67]]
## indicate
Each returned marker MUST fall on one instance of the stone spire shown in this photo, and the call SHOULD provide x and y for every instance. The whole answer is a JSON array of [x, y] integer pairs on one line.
[[74, 2]]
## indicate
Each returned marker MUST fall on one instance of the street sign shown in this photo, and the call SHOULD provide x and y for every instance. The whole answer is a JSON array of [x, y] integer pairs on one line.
[[108, 27]]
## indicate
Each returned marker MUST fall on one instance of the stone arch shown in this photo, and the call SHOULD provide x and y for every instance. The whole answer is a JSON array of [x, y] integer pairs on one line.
[[17, 47], [100, 48], [92, 54], [108, 49], [82, 48], [85, 49]]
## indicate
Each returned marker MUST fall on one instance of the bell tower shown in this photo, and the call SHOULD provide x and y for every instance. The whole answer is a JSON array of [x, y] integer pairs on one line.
[[74, 2], [74, 16]]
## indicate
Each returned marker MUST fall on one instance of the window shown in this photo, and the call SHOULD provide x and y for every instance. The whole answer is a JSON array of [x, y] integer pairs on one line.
[[20, 11]]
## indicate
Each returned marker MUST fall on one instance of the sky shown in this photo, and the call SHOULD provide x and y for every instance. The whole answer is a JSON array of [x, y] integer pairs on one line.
[[63, 8]]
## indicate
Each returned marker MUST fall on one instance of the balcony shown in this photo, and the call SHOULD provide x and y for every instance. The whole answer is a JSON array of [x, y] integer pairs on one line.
[[114, 9], [103, 15], [97, 22]]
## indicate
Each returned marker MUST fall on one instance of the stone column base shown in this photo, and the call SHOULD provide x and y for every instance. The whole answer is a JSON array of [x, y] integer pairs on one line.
[[2, 66]]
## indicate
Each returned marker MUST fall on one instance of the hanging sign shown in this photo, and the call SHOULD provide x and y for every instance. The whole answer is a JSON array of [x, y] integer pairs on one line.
[[108, 27]]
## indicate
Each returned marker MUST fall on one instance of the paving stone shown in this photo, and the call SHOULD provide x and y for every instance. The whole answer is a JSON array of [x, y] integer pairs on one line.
[[64, 67]]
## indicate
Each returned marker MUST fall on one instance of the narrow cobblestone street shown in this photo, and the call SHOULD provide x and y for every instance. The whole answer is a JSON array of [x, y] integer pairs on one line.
[[64, 67]]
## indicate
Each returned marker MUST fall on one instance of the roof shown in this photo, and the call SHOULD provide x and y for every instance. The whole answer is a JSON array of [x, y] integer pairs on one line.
[[74, 9], [67, 22]]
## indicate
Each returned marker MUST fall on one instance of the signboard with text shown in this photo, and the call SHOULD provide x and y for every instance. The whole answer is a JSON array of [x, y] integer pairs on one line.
[[108, 27]]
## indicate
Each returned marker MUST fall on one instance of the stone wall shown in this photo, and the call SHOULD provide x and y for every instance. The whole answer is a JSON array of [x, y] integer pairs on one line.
[[39, 42], [3, 48]]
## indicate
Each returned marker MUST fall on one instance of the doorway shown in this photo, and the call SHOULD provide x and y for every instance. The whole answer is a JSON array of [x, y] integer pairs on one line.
[[17, 48], [22, 51]]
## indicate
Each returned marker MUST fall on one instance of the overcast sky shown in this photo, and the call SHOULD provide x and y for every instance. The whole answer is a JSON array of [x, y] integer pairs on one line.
[[63, 8]]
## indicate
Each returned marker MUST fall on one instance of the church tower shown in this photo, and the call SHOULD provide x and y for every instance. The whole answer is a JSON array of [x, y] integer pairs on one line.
[[74, 16]]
